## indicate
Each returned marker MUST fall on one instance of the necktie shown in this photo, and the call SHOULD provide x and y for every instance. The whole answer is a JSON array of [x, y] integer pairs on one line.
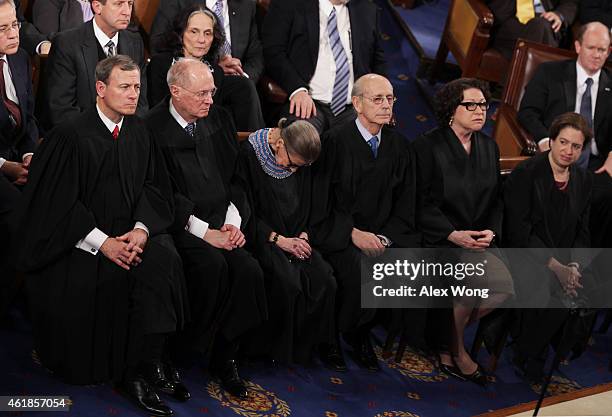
[[111, 49], [226, 48], [116, 132], [374, 145], [524, 10], [190, 129], [341, 81], [11, 106], [86, 9], [587, 113]]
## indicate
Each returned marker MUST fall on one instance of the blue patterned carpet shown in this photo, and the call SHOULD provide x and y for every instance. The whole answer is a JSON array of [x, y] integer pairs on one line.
[[410, 388]]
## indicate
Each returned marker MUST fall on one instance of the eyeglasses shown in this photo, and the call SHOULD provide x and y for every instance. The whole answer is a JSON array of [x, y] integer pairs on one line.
[[201, 95], [378, 100], [4, 29], [291, 166], [471, 106]]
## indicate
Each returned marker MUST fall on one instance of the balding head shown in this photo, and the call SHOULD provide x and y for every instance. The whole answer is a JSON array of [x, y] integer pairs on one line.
[[372, 97], [192, 88], [593, 46]]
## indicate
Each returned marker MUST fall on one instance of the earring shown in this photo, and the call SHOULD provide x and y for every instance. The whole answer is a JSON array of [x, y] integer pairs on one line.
[[450, 122]]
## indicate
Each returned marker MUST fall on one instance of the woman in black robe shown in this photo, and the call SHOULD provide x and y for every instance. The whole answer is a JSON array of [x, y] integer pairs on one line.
[[196, 34], [275, 169], [547, 202], [460, 206]]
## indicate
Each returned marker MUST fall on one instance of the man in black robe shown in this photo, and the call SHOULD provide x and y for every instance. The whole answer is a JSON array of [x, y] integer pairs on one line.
[[365, 202], [225, 282], [104, 282]]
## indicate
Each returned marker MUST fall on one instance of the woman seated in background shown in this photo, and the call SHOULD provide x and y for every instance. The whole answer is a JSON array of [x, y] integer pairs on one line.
[[547, 201], [460, 206], [274, 168], [196, 34]]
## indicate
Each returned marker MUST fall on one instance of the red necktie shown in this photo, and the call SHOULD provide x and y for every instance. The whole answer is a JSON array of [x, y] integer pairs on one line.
[[11, 106], [116, 132]]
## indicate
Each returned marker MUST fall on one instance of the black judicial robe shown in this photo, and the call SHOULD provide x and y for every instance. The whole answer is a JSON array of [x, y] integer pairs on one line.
[[201, 169], [457, 191], [300, 293], [354, 189], [87, 311]]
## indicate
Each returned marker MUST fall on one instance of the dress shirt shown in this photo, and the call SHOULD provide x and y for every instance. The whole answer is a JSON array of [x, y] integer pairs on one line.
[[226, 24], [95, 239], [322, 83], [581, 77], [103, 39], [196, 226], [86, 9]]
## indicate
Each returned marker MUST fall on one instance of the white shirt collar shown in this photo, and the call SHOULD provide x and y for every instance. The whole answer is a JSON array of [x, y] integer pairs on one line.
[[326, 6], [365, 133], [581, 75], [179, 119], [110, 125], [102, 38]]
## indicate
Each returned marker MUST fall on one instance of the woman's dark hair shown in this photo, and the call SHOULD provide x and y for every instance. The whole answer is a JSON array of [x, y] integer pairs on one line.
[[173, 40], [573, 120], [301, 137], [450, 95]]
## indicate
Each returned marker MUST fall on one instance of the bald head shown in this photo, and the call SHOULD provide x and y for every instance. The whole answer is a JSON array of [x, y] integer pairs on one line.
[[187, 71], [368, 82], [593, 46]]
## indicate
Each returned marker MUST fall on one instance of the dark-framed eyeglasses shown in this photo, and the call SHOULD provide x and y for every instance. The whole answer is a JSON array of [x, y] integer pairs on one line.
[[471, 106], [291, 165], [378, 100]]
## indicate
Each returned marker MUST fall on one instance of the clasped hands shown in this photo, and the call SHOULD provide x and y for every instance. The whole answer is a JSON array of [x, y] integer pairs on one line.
[[472, 239], [568, 276], [296, 246], [17, 172], [124, 250], [229, 237]]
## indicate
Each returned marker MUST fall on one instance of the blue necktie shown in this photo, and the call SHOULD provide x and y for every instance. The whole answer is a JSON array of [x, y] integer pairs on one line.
[[343, 71], [190, 129], [586, 112], [226, 48], [374, 146]]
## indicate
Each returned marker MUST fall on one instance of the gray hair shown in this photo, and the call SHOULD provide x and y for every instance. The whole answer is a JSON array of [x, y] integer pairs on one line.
[[179, 72], [301, 137], [11, 2], [106, 66]]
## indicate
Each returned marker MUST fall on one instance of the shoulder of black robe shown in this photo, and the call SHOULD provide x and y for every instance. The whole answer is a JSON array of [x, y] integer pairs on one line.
[[162, 127], [49, 219]]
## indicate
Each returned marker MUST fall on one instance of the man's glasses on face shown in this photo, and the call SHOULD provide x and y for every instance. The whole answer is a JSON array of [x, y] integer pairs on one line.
[[201, 95], [471, 106], [5, 29], [378, 100]]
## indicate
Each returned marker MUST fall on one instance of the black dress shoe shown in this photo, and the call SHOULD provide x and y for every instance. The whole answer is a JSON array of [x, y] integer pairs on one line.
[[363, 353], [331, 357], [451, 370], [478, 376], [226, 372], [143, 395], [181, 392]]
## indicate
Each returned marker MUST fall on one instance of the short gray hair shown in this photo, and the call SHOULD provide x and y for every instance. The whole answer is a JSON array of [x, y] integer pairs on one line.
[[106, 66], [179, 72], [301, 137], [11, 2]]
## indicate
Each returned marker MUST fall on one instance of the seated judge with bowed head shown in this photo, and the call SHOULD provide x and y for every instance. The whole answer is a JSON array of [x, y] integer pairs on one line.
[[547, 203], [196, 33], [460, 206], [275, 170], [104, 280]]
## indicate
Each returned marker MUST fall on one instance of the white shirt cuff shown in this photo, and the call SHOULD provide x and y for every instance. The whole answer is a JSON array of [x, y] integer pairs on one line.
[[232, 216], [23, 157], [196, 227], [93, 241], [297, 91], [541, 141], [140, 225], [39, 45], [2, 161]]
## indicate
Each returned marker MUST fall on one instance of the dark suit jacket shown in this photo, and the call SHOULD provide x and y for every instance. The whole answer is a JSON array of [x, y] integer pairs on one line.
[[29, 35], [243, 27], [552, 91], [14, 143], [506, 9], [69, 85], [596, 11], [53, 16], [291, 41]]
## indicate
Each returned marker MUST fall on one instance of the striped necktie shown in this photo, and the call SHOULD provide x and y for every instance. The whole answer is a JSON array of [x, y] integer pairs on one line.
[[190, 129], [587, 113], [341, 81], [111, 49], [226, 48]]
